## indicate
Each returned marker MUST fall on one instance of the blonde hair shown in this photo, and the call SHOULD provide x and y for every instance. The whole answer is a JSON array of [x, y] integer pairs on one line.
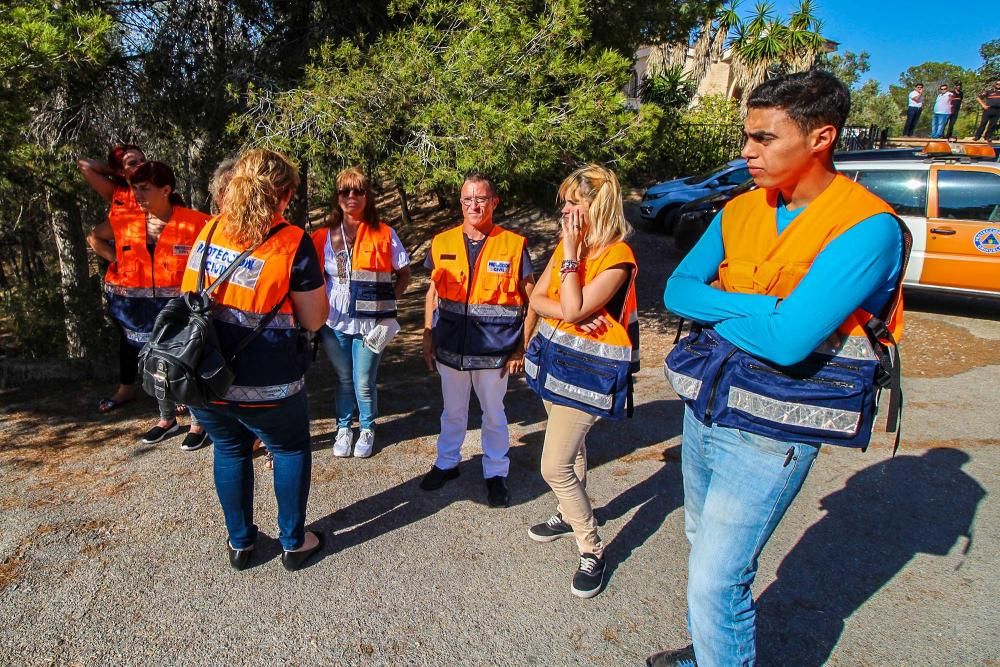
[[599, 187], [260, 180], [353, 177], [220, 180]]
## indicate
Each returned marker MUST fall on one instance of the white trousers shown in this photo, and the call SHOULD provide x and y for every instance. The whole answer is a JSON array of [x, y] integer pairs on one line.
[[490, 388]]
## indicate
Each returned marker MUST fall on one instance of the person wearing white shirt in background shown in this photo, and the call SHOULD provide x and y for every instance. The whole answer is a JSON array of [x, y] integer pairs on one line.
[[916, 105], [942, 109], [359, 254]]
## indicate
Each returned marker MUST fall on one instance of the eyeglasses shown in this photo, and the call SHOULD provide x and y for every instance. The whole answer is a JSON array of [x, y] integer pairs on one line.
[[468, 201], [357, 192]]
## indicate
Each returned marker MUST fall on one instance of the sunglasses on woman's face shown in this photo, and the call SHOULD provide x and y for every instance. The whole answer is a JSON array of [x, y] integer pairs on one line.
[[346, 192]]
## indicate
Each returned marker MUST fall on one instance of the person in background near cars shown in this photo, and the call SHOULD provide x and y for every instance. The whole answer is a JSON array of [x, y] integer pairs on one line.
[[785, 274], [267, 399], [942, 110], [956, 107], [359, 254], [109, 180], [475, 330], [587, 299], [990, 102], [913, 109]]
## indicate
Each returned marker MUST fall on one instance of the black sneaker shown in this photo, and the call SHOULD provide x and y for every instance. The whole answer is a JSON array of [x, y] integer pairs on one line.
[[551, 530], [496, 492], [436, 478], [589, 577], [682, 657], [193, 441], [158, 433]]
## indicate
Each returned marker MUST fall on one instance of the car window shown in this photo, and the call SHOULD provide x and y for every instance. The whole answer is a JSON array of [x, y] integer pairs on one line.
[[850, 173], [969, 195], [735, 177], [699, 178], [903, 189]]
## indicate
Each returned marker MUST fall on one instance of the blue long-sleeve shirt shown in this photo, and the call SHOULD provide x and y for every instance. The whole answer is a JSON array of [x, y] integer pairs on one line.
[[859, 268]]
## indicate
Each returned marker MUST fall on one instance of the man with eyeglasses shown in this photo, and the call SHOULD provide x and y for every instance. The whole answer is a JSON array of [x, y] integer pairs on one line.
[[942, 110], [476, 324]]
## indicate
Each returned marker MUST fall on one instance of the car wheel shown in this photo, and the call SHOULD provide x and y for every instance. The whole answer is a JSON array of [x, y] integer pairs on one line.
[[667, 218]]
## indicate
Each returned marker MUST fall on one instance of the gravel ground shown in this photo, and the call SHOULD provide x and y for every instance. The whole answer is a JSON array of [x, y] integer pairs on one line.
[[113, 553]]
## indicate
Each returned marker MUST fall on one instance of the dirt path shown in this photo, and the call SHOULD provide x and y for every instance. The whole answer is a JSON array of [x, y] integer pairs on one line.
[[113, 553]]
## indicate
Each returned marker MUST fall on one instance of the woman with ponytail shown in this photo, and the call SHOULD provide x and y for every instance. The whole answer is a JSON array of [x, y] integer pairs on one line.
[[360, 255], [583, 354], [279, 286]]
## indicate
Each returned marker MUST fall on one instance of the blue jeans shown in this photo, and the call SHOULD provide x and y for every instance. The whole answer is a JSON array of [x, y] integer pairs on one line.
[[737, 487], [284, 428], [938, 123], [356, 367]]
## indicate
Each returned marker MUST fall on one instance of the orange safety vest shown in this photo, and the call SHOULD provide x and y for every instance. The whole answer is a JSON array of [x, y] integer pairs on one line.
[[273, 365], [479, 319], [832, 396], [587, 370], [138, 285], [372, 294]]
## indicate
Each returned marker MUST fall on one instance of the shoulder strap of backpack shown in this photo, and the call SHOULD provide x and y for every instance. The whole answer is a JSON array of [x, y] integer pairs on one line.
[[231, 269], [264, 321]]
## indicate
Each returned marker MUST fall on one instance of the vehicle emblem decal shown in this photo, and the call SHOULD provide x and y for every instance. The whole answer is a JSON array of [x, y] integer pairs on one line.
[[988, 240]]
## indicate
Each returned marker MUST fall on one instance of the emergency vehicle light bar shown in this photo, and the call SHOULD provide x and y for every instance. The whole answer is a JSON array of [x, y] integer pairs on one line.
[[947, 149]]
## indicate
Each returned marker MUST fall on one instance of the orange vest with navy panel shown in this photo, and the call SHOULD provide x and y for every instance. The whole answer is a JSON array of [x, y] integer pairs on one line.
[[273, 365], [372, 294], [479, 319], [138, 285]]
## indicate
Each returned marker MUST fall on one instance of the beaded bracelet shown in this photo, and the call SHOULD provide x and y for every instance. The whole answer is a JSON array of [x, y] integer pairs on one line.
[[569, 266]]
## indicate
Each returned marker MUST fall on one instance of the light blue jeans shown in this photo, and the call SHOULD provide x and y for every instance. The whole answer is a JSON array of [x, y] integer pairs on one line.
[[356, 367], [938, 122], [737, 487]]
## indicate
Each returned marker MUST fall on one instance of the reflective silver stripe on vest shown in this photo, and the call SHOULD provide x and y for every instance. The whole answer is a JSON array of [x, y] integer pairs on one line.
[[530, 368], [371, 276], [685, 385], [142, 292], [481, 309], [363, 306], [136, 336], [594, 398], [848, 347], [470, 362], [794, 414], [273, 392], [249, 320], [586, 345]]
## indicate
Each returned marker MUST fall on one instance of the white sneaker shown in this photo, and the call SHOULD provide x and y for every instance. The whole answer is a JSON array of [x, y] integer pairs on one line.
[[342, 445], [365, 443]]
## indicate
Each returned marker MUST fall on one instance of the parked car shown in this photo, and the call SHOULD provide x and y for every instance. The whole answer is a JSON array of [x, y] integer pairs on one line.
[[949, 200], [660, 207]]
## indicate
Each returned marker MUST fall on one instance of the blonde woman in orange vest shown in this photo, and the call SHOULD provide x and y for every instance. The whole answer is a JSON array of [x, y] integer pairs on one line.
[[151, 248], [267, 399], [795, 289], [108, 179], [360, 256], [584, 352]]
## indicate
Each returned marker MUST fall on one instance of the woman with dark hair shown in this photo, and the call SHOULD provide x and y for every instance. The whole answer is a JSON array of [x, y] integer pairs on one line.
[[360, 254], [108, 179], [281, 279], [148, 247]]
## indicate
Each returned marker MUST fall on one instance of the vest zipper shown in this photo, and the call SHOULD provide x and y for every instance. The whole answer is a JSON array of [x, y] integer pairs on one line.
[[715, 387], [473, 272], [816, 380]]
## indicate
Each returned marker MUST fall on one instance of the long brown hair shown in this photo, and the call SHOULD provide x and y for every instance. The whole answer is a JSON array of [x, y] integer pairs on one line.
[[160, 175], [261, 179], [353, 177]]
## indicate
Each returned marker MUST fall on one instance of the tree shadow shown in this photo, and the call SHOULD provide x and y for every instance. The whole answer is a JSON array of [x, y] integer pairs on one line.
[[884, 516], [405, 504]]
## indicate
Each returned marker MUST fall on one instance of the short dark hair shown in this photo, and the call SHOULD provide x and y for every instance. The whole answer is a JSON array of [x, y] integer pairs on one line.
[[918, 84], [811, 99], [479, 177]]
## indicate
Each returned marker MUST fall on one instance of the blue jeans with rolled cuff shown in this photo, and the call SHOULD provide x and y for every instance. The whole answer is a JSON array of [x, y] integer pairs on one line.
[[356, 367], [282, 426], [737, 487]]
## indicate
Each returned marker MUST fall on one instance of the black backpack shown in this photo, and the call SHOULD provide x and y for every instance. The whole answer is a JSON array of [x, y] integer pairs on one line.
[[182, 359]]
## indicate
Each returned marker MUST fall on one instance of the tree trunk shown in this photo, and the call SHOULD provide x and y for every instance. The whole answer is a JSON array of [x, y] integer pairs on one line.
[[67, 229], [404, 206], [298, 211]]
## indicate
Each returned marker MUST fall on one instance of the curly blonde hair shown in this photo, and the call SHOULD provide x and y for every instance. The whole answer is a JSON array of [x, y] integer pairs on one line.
[[599, 187], [261, 178]]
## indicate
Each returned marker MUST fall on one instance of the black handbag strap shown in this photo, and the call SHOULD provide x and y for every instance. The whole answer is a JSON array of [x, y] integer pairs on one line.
[[264, 321], [231, 269]]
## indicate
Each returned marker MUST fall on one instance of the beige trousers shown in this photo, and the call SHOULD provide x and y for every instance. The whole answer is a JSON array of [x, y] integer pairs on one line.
[[564, 468]]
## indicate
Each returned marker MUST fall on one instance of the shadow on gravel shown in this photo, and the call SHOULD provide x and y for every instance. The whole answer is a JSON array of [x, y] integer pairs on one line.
[[884, 516]]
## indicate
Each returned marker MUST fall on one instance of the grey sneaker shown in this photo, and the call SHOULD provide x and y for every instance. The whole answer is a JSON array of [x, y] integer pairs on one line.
[[342, 445], [551, 530], [681, 657]]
